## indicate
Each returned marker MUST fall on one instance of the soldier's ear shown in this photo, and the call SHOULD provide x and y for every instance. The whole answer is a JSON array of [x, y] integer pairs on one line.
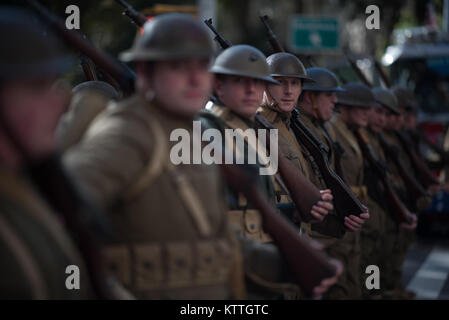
[[306, 97], [218, 85], [144, 73]]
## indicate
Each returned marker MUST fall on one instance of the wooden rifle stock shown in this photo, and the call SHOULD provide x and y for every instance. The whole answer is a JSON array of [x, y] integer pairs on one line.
[[412, 185], [303, 192], [398, 209], [123, 75], [345, 202], [274, 41], [308, 265]]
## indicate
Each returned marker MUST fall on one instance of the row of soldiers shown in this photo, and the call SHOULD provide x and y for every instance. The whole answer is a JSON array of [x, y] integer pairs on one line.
[[179, 231]]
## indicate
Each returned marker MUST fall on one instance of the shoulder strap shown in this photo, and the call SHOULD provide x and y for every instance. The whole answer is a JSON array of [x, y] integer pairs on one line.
[[155, 165]]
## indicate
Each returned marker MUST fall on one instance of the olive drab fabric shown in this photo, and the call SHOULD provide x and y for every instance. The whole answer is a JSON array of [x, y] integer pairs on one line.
[[35, 246]]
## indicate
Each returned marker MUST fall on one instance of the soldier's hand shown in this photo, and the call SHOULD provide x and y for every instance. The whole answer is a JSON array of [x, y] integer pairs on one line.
[[322, 208], [412, 226], [328, 282], [354, 223]]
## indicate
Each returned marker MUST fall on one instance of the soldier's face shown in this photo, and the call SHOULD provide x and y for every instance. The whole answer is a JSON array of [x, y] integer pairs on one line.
[[183, 86], [358, 116], [394, 122], [410, 120], [377, 118], [326, 103], [286, 94], [242, 95], [32, 109]]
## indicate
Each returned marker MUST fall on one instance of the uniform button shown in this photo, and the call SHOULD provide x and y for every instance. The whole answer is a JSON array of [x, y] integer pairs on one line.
[[147, 265], [208, 260]]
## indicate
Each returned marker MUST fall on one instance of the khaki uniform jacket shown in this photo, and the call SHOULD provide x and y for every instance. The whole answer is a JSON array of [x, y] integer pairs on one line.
[[266, 271], [172, 235], [34, 246], [290, 148]]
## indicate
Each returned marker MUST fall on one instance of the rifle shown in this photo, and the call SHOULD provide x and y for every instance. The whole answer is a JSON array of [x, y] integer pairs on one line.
[[308, 265], [138, 18], [122, 74], [399, 210], [303, 192], [359, 72], [274, 41], [381, 72], [222, 41], [412, 185], [346, 203], [87, 68], [424, 174]]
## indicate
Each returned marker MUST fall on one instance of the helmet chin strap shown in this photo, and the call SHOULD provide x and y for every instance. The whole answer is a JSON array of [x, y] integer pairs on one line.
[[273, 104]]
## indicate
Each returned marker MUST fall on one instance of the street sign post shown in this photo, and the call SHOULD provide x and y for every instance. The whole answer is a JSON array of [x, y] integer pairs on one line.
[[314, 34]]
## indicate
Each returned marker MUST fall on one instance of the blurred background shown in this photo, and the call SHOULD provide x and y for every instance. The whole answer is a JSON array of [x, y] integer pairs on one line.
[[410, 40]]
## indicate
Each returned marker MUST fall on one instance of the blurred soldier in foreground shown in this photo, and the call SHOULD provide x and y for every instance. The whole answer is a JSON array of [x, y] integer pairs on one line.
[[34, 245], [172, 236]]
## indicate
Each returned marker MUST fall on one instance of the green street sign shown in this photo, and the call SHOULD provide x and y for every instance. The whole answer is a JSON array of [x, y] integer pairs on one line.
[[313, 34]]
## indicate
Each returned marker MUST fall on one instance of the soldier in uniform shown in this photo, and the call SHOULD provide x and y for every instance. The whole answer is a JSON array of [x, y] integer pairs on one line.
[[405, 237], [172, 236], [316, 106], [378, 239], [278, 103], [241, 75], [35, 246], [354, 103], [169, 244], [88, 100]]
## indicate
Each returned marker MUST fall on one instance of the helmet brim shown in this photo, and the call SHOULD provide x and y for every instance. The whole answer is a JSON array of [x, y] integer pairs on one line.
[[220, 70]]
